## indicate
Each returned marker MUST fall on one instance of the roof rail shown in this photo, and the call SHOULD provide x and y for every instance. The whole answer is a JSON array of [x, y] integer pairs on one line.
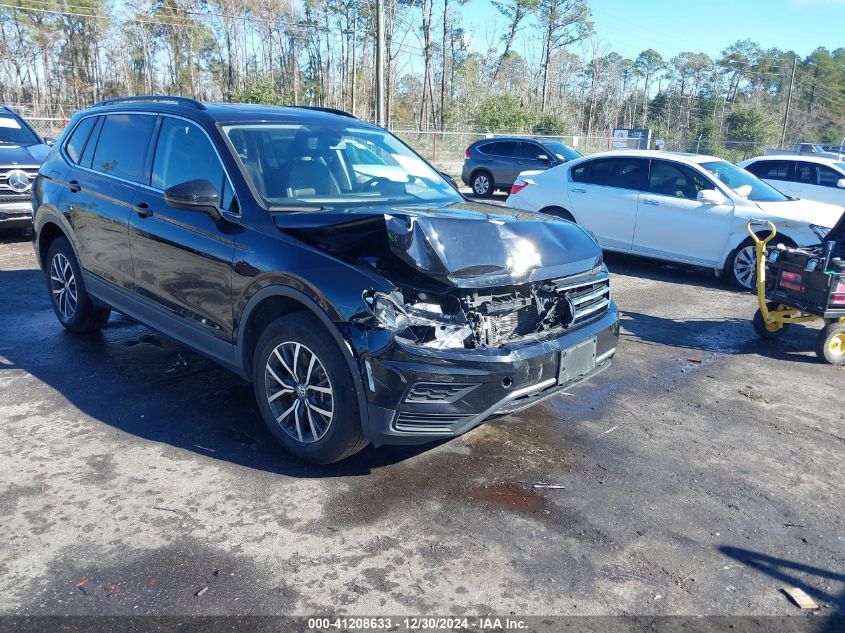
[[329, 110], [184, 101]]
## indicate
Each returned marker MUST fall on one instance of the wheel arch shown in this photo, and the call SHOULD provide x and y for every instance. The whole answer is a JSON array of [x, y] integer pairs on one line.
[[270, 303], [48, 233], [738, 239]]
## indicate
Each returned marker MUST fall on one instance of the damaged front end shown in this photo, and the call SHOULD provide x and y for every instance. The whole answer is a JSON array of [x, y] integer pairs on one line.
[[478, 319]]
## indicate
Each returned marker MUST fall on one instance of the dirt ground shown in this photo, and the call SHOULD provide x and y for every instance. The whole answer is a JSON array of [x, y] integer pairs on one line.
[[134, 473]]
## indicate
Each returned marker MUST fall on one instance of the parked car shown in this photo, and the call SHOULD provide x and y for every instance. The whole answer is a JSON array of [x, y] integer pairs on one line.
[[807, 177], [808, 149], [682, 208], [22, 151], [384, 309], [494, 163]]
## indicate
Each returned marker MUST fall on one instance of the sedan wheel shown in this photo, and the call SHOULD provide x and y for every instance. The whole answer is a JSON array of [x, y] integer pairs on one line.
[[744, 266], [299, 392]]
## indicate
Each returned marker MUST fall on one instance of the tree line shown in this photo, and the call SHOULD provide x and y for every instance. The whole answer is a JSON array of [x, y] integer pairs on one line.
[[541, 68]]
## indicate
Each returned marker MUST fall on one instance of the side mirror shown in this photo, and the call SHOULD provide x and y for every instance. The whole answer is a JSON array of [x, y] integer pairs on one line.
[[49, 141], [543, 158], [710, 196], [194, 195], [841, 183], [448, 179]]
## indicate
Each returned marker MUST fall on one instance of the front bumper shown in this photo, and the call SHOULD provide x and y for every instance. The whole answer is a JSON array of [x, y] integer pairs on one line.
[[15, 215], [419, 395]]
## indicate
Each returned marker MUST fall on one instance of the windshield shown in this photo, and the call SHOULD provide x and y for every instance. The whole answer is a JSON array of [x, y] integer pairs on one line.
[[12, 132], [743, 183], [291, 164], [562, 151]]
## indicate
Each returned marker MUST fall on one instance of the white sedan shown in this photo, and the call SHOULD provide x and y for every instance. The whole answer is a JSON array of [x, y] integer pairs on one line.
[[683, 208], [808, 177]]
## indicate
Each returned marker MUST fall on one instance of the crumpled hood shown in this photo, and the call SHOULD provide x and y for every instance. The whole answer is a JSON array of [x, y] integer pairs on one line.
[[802, 211], [464, 245], [14, 155]]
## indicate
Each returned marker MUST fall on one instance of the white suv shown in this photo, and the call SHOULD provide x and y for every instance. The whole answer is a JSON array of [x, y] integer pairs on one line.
[[678, 207], [810, 177]]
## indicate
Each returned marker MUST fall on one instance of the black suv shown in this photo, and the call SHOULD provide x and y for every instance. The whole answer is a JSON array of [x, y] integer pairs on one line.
[[364, 308], [22, 151], [494, 163]]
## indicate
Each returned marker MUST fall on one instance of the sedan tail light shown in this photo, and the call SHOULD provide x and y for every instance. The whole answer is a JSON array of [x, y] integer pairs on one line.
[[518, 186], [466, 153]]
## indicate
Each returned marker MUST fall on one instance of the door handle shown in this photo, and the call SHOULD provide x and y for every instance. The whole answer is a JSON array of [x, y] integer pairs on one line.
[[650, 201], [74, 186], [578, 190], [143, 210]]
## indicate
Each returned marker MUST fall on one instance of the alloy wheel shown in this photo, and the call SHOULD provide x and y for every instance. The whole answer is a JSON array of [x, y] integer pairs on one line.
[[745, 266], [299, 392], [481, 185], [63, 286]]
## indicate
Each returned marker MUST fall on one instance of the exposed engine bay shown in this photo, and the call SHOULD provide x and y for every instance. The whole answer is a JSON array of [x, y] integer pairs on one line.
[[491, 318], [466, 277]]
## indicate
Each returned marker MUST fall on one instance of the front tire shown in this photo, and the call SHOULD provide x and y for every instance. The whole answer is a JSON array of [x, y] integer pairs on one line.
[[830, 344], [741, 266], [765, 330], [305, 391], [482, 184], [71, 303]]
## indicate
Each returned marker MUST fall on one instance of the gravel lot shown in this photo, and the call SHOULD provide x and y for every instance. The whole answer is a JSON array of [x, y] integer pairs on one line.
[[133, 473]]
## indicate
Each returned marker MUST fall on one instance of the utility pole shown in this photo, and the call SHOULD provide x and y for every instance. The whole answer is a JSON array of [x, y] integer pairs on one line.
[[381, 119], [788, 102]]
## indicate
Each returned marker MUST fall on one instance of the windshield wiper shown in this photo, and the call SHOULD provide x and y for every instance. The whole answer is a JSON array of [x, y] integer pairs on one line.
[[297, 208]]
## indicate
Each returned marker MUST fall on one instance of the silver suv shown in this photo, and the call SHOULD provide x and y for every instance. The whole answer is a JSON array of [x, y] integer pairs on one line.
[[494, 163], [22, 151]]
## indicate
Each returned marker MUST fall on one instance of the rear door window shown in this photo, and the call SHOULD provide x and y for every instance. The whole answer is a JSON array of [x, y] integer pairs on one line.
[[76, 143], [581, 173], [623, 173], [122, 147]]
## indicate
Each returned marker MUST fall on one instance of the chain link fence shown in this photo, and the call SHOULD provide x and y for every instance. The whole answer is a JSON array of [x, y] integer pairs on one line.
[[446, 149]]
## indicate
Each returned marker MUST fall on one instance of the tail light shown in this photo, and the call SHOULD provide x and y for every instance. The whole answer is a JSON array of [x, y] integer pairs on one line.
[[791, 281], [518, 186], [838, 299], [466, 153]]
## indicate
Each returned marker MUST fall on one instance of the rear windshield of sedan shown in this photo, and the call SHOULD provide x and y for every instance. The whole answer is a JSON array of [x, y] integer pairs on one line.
[[743, 183]]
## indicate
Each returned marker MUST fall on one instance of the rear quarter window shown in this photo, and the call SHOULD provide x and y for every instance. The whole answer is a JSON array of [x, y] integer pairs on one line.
[[78, 138]]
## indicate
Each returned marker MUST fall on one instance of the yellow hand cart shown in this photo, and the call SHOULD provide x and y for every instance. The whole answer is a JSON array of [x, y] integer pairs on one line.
[[801, 286]]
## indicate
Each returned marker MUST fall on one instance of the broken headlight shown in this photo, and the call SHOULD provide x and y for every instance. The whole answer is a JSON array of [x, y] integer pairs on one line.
[[421, 324]]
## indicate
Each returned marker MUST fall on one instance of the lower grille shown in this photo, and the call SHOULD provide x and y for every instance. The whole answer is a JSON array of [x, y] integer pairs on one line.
[[438, 392], [415, 422]]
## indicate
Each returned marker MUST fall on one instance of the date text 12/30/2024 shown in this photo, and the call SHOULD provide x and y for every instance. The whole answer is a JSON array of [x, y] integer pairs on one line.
[[417, 624]]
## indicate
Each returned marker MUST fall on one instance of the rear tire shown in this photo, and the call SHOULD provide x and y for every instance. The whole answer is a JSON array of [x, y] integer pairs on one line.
[[305, 391], [482, 184], [71, 303], [830, 344]]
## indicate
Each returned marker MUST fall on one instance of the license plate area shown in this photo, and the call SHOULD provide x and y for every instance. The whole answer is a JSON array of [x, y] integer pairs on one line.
[[577, 361]]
